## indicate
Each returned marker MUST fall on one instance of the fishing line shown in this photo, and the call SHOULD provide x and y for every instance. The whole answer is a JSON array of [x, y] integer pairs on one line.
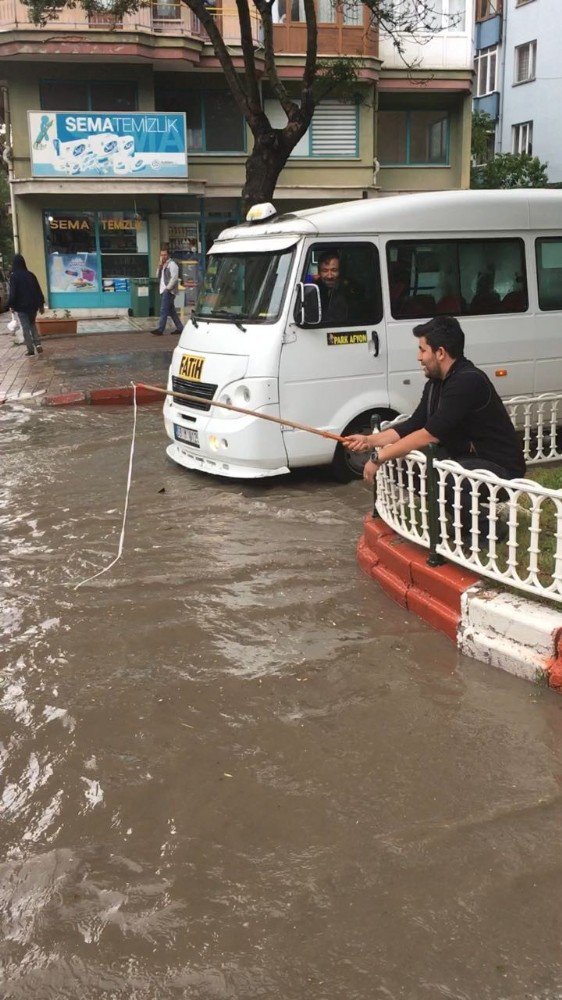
[[126, 506]]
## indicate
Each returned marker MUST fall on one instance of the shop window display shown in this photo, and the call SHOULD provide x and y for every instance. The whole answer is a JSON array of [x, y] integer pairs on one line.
[[94, 254]]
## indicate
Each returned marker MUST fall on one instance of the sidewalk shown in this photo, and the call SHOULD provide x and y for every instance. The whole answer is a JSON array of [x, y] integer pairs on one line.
[[105, 355]]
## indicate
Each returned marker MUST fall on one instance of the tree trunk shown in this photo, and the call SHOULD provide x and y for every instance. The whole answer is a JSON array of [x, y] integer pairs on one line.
[[263, 166]]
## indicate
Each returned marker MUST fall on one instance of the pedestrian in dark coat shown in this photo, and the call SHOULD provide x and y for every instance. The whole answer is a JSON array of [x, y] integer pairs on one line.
[[26, 299]]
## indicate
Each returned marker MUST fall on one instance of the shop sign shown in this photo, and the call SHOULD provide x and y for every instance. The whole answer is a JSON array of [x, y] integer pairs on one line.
[[86, 144]]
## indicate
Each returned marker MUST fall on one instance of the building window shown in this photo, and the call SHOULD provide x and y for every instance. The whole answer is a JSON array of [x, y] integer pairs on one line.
[[353, 14], [348, 279], [413, 138], [89, 95], [166, 10], [522, 138], [439, 15], [549, 272], [456, 277], [525, 62], [214, 122], [487, 8], [485, 67], [350, 12]]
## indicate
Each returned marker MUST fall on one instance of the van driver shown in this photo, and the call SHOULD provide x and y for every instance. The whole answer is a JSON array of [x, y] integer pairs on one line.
[[333, 298]]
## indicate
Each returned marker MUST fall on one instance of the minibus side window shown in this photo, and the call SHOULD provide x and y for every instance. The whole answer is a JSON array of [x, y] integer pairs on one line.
[[549, 272], [348, 278], [456, 277]]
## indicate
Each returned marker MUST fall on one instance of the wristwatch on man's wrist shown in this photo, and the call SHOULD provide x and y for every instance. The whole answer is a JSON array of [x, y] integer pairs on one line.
[[374, 456]]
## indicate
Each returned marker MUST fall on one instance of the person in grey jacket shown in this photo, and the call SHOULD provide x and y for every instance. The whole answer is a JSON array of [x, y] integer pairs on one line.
[[26, 299], [168, 272]]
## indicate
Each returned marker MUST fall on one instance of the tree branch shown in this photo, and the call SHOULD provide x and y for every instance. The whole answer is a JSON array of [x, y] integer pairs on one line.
[[223, 55], [311, 63], [247, 42], [278, 88]]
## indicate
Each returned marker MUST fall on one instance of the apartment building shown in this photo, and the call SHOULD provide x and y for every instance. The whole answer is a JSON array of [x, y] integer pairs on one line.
[[105, 167], [530, 120], [517, 77], [488, 64]]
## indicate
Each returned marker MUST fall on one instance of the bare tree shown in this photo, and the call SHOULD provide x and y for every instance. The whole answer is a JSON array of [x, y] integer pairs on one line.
[[272, 146]]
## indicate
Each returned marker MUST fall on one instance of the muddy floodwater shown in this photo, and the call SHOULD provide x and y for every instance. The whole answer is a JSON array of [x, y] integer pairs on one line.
[[231, 767]]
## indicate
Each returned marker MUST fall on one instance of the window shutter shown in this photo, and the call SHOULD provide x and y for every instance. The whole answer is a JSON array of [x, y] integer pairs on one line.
[[278, 119], [334, 129]]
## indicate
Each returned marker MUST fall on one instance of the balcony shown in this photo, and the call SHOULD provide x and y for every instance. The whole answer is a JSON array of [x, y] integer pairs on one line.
[[343, 30], [161, 18]]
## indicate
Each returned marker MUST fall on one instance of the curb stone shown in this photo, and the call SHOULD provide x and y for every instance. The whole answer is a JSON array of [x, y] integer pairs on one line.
[[117, 395], [64, 399], [497, 627]]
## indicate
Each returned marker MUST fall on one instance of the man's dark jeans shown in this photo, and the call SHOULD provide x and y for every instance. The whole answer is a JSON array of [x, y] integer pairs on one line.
[[167, 308]]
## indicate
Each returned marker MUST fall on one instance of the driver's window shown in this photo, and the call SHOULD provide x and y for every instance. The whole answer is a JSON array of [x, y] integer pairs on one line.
[[348, 278]]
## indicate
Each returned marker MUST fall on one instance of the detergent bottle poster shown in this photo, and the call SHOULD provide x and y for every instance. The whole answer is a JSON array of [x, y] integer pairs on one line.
[[95, 144], [73, 272]]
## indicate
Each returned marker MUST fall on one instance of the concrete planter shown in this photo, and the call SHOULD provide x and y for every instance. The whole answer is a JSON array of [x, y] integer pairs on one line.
[[49, 326]]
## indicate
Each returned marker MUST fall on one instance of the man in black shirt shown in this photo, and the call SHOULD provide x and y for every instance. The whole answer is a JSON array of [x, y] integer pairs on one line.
[[459, 409]]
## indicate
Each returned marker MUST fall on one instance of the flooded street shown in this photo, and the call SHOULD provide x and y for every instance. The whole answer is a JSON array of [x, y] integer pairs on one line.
[[232, 768]]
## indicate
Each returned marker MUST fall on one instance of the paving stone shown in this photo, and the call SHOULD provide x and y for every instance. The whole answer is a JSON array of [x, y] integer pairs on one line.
[[107, 354]]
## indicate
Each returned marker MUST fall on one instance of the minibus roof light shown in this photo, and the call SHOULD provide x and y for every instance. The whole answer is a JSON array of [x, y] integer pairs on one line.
[[259, 213]]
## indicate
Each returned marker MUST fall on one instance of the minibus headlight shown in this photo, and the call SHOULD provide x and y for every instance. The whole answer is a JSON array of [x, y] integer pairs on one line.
[[215, 443], [225, 398]]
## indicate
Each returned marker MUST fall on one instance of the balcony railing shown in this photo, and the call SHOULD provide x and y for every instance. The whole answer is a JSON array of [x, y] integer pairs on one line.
[[342, 27], [168, 18], [161, 17]]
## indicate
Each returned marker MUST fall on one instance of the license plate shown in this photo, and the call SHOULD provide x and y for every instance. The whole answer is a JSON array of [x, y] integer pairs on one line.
[[191, 367], [187, 434]]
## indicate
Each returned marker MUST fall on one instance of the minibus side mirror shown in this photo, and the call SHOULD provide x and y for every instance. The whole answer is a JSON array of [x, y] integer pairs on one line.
[[308, 311]]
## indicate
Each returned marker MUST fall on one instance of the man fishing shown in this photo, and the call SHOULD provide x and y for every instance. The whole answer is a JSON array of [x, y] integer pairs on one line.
[[459, 410]]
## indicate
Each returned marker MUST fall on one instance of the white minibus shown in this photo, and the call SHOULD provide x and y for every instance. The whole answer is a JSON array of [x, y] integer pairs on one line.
[[309, 317]]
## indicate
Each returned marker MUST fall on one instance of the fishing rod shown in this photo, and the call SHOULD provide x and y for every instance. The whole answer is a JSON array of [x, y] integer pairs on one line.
[[241, 409]]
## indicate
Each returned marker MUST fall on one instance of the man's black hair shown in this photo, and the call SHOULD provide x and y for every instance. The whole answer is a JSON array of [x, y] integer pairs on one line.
[[328, 255], [445, 332]]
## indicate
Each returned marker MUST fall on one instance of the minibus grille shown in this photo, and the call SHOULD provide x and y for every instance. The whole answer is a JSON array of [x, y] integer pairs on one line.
[[204, 390]]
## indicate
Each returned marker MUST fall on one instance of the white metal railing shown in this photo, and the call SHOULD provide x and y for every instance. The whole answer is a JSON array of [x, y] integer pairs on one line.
[[538, 418], [507, 530], [467, 516]]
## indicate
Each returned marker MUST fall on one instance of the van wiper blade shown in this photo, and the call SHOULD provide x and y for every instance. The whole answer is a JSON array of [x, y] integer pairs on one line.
[[193, 319], [226, 315]]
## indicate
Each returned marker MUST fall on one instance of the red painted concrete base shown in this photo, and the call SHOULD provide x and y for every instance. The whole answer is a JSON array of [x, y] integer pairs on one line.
[[123, 395], [433, 593], [65, 399], [116, 396], [554, 665]]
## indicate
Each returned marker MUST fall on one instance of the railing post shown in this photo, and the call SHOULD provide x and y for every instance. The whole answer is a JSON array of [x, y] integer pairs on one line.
[[434, 558], [375, 429]]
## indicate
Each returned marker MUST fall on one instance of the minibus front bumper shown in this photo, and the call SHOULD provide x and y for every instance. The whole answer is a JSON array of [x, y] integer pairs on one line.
[[239, 447], [218, 466]]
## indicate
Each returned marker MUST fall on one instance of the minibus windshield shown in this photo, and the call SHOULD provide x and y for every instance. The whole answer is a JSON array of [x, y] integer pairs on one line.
[[244, 286]]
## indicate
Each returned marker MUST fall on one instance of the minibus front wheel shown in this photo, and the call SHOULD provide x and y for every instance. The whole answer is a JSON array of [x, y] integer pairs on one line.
[[347, 465]]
